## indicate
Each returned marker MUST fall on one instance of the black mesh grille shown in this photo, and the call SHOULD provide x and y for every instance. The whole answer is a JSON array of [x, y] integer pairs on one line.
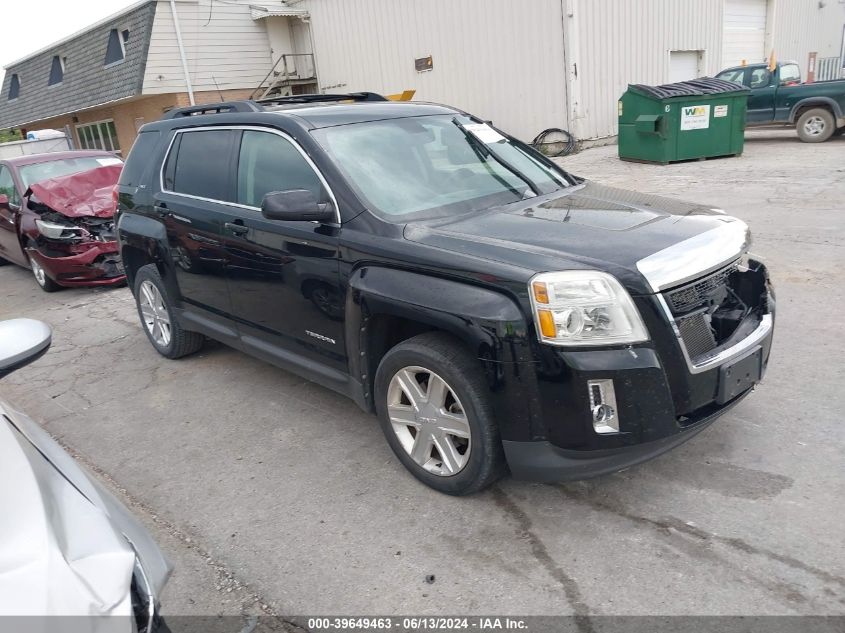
[[692, 296], [697, 335]]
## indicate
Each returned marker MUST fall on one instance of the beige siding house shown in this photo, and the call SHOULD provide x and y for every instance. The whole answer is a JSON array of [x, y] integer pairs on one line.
[[129, 68]]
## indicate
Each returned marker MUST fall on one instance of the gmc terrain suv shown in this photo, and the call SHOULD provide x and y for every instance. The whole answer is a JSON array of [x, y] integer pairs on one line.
[[492, 309]]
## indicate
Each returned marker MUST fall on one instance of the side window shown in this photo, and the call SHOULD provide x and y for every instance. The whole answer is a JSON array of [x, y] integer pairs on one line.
[[199, 164], [7, 185], [140, 157], [269, 162], [737, 75], [790, 74], [760, 78]]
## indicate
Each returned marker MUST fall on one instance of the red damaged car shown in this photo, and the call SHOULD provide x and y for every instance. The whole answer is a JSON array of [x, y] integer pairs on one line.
[[57, 217]]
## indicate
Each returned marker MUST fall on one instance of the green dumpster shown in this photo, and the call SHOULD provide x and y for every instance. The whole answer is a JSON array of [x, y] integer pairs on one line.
[[693, 119]]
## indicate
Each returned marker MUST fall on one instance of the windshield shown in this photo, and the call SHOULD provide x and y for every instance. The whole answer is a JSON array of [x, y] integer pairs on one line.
[[63, 167], [435, 166]]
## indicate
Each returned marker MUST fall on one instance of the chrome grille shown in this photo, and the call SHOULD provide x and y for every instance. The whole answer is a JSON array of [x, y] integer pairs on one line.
[[692, 296]]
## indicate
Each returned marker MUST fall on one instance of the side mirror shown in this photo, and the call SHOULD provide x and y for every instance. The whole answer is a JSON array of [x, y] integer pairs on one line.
[[4, 200], [295, 205], [22, 341]]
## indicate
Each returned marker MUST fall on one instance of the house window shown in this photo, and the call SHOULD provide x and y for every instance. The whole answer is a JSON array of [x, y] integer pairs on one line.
[[57, 71], [99, 135], [114, 49], [14, 87], [124, 34]]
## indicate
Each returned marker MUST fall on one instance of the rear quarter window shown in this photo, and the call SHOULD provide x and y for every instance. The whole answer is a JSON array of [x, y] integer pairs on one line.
[[199, 164], [140, 157]]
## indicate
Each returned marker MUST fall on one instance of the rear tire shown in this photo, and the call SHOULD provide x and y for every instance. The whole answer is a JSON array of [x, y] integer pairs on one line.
[[445, 434], [157, 318], [816, 125]]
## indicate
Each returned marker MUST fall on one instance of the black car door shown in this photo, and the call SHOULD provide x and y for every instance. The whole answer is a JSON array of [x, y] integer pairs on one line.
[[283, 276], [197, 187]]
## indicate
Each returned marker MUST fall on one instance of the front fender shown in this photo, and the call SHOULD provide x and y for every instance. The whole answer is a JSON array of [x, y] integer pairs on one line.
[[488, 322]]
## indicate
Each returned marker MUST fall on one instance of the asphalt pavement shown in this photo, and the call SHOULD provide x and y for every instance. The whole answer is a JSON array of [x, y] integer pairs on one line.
[[273, 495]]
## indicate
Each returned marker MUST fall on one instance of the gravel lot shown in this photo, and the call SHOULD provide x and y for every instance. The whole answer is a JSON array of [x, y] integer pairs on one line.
[[273, 495]]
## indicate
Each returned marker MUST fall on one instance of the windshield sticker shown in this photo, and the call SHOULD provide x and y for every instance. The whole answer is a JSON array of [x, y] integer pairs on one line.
[[720, 111], [484, 133], [695, 117]]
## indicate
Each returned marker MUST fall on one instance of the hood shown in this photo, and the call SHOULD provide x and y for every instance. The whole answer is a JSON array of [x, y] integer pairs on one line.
[[86, 193], [69, 547], [631, 235]]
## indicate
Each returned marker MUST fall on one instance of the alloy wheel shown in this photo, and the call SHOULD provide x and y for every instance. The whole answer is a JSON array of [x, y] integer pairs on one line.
[[814, 126], [154, 313], [38, 271], [429, 420]]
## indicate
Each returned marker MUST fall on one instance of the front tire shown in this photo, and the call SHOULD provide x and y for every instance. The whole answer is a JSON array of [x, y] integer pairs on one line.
[[44, 282], [157, 319], [433, 405], [816, 125]]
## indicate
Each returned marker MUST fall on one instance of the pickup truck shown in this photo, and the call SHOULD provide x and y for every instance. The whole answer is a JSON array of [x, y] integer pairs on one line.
[[817, 110]]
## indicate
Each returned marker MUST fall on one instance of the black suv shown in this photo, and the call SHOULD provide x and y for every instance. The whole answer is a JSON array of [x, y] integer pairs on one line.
[[492, 309]]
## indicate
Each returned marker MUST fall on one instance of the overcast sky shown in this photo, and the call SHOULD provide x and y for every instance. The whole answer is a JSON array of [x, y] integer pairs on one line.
[[34, 24]]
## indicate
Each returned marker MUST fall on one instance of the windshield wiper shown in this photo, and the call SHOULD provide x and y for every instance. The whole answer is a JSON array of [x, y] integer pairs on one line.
[[485, 150]]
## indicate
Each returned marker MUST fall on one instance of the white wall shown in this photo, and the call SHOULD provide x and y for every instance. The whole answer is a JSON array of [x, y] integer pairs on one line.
[[616, 43], [224, 46], [499, 59], [800, 27]]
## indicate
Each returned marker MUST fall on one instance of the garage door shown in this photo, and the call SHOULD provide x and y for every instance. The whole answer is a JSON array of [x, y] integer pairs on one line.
[[683, 65], [744, 32]]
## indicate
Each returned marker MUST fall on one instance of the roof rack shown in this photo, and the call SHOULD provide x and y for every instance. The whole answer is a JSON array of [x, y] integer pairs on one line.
[[258, 106], [318, 98], [213, 108]]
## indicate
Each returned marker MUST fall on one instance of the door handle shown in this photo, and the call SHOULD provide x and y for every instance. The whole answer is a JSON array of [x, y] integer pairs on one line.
[[162, 210], [237, 229]]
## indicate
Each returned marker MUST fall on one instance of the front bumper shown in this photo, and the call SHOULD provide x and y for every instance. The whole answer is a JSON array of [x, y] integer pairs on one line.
[[662, 397], [544, 462], [92, 264]]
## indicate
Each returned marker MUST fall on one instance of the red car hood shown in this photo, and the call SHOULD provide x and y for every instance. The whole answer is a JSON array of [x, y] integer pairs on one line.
[[86, 193]]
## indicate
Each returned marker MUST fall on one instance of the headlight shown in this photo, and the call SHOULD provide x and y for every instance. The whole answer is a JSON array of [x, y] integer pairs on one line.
[[584, 307], [56, 231]]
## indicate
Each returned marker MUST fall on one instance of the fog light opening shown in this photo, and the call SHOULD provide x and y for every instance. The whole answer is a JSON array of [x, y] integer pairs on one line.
[[603, 406]]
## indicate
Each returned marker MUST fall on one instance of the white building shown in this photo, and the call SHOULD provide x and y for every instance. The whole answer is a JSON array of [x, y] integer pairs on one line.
[[527, 65], [533, 64]]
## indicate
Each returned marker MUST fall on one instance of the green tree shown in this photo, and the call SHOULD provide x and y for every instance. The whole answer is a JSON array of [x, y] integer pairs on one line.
[[10, 134]]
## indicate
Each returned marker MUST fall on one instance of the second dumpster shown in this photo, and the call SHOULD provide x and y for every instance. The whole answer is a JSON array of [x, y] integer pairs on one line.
[[700, 118]]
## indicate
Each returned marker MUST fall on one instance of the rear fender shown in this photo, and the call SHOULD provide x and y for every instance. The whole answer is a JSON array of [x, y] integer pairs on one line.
[[489, 323], [815, 102], [143, 241]]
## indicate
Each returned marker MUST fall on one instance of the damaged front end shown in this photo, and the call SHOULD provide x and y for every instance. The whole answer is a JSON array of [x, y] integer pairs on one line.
[[73, 235]]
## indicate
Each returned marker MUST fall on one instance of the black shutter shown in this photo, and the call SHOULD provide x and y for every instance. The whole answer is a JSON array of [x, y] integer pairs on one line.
[[57, 73], [114, 51], [14, 88]]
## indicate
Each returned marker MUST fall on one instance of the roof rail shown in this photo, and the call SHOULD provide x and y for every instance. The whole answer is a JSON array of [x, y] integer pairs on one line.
[[213, 108], [317, 98]]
